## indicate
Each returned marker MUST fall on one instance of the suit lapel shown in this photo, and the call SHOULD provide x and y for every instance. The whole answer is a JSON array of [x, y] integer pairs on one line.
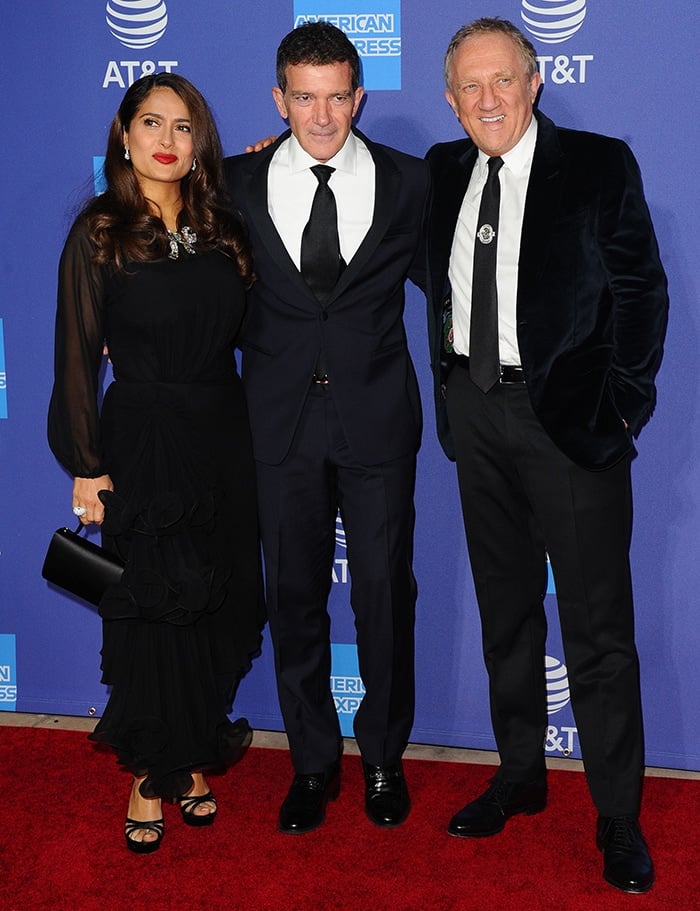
[[255, 190], [387, 188], [448, 193], [542, 205], [387, 181]]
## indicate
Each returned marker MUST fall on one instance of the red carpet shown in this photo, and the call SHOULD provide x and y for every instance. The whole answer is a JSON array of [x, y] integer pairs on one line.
[[63, 804]]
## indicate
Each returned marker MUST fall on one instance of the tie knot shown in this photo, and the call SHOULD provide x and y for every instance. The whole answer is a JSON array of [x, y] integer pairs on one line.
[[322, 173], [494, 164]]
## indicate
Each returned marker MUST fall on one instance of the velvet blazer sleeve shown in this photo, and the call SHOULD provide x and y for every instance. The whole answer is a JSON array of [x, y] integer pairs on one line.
[[630, 256], [592, 302]]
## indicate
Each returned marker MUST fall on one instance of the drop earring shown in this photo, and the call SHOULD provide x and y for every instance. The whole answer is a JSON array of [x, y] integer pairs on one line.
[[194, 165], [127, 156]]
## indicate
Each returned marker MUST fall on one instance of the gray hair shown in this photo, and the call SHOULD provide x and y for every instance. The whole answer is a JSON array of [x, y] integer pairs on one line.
[[487, 26]]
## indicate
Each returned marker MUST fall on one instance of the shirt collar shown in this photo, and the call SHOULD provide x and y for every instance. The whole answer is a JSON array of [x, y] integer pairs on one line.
[[344, 160]]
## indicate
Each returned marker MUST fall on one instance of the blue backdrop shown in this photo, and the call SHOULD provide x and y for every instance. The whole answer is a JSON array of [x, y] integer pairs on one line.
[[612, 66]]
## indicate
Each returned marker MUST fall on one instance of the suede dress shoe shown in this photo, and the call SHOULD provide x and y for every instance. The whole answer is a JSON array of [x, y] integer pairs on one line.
[[304, 807], [387, 803], [488, 814], [626, 861]]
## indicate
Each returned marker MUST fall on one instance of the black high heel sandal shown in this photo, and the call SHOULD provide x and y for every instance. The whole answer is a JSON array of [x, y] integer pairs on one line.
[[143, 847], [188, 805]]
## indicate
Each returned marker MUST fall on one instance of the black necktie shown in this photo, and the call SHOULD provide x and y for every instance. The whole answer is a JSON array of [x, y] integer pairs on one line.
[[321, 263], [484, 364]]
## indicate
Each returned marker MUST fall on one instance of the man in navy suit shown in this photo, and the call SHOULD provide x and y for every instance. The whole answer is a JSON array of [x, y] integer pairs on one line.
[[336, 418], [543, 454]]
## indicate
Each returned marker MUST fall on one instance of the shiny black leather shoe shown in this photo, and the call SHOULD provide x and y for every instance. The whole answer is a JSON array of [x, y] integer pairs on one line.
[[627, 864], [387, 803], [488, 814], [304, 807]]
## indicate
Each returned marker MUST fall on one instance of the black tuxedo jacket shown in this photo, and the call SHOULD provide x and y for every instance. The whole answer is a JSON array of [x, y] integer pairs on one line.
[[591, 303], [360, 328]]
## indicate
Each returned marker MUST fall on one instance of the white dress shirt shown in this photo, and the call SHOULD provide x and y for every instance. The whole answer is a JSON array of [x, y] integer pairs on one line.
[[514, 177], [291, 187]]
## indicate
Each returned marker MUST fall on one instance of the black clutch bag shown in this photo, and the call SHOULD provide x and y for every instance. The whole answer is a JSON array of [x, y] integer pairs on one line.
[[79, 566]]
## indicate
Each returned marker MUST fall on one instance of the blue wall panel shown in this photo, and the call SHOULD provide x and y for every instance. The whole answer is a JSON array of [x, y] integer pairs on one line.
[[622, 71]]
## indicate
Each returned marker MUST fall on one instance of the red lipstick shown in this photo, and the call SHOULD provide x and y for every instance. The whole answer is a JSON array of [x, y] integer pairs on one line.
[[165, 159]]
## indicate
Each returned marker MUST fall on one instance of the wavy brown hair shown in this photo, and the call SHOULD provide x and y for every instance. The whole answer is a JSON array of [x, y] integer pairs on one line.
[[120, 221]]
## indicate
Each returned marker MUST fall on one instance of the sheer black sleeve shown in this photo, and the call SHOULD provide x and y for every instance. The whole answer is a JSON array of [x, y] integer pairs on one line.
[[73, 421]]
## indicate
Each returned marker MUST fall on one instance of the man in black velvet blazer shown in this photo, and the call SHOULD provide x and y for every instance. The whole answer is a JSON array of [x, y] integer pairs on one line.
[[336, 420], [543, 456]]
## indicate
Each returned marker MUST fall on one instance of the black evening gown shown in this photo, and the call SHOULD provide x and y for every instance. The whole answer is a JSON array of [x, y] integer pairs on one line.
[[183, 626]]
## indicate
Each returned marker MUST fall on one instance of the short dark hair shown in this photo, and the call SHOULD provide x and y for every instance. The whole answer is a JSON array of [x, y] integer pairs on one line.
[[488, 26], [316, 44]]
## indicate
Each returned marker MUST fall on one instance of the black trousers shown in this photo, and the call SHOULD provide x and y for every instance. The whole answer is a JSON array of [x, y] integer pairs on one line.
[[299, 500], [522, 498]]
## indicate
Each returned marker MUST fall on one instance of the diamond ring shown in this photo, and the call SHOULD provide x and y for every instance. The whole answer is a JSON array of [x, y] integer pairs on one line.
[[79, 510]]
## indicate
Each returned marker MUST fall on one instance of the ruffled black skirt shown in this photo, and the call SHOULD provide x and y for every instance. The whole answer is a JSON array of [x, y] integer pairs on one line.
[[182, 627]]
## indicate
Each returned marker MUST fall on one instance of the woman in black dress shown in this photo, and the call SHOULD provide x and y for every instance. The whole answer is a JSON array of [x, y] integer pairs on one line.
[[156, 268]]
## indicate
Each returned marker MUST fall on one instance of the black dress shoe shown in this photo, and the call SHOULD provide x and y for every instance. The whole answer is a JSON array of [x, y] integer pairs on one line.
[[627, 864], [304, 807], [488, 814], [387, 802]]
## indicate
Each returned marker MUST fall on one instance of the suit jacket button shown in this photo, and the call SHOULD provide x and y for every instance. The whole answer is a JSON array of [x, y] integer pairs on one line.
[[324, 315]]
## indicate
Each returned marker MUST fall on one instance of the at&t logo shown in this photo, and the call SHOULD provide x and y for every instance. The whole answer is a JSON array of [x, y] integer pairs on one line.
[[562, 69], [137, 24], [553, 22], [340, 564], [557, 685], [558, 739]]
